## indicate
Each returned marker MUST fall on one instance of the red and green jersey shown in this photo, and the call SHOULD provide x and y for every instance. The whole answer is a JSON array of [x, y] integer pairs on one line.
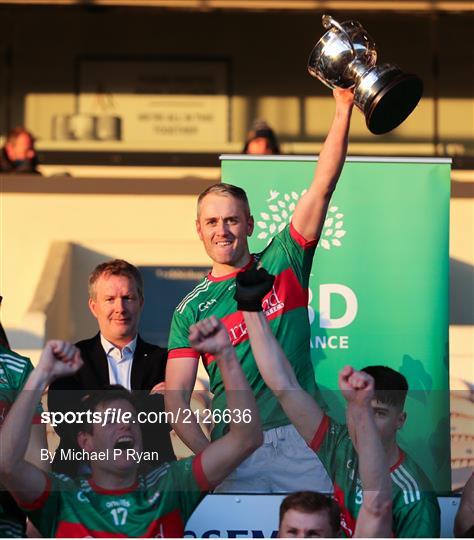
[[289, 257], [157, 506], [415, 512], [14, 370]]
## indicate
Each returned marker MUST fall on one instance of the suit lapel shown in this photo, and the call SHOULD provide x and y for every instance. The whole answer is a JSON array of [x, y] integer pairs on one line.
[[139, 365], [98, 364]]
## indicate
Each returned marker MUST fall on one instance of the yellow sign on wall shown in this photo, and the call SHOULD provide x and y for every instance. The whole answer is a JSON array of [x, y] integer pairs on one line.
[[152, 101]]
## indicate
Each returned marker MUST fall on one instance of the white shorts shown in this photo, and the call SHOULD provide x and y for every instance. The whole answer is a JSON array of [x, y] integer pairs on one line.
[[283, 464]]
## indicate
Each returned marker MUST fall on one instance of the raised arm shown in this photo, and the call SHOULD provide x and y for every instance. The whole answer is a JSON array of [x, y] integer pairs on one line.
[[375, 516], [310, 212], [25, 481], [304, 413], [38, 443], [180, 380], [221, 457]]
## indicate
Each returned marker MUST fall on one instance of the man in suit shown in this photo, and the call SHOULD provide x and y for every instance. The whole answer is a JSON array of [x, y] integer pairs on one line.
[[115, 356]]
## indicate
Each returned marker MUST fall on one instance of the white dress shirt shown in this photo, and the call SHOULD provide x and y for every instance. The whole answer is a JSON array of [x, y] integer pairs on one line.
[[119, 361]]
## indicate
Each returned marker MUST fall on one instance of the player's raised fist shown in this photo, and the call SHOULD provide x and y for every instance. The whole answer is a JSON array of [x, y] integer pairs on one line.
[[209, 336], [251, 287], [356, 386], [59, 359]]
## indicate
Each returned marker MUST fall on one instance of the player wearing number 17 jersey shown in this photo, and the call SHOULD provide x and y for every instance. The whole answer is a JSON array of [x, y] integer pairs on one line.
[[114, 501]]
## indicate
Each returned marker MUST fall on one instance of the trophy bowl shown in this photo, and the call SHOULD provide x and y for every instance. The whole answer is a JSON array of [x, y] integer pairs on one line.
[[345, 57]]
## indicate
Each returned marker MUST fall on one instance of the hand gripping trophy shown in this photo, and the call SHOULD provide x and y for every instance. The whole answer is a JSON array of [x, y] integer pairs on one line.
[[345, 57]]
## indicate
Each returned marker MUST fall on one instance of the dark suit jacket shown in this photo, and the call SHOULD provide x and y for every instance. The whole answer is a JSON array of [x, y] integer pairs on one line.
[[148, 369]]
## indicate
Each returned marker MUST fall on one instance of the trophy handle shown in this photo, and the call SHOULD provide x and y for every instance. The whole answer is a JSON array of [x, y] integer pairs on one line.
[[329, 22]]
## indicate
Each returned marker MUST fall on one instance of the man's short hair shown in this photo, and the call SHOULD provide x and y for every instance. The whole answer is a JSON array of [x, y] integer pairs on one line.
[[225, 190], [16, 132], [96, 398], [311, 502], [117, 267], [390, 386]]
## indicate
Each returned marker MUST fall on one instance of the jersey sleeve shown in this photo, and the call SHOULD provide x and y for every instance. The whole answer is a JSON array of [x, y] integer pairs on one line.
[[44, 511], [332, 444], [298, 251], [189, 484], [14, 372], [178, 343], [418, 520]]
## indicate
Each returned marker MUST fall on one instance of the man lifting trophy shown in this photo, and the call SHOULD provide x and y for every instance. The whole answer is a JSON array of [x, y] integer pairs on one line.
[[345, 57]]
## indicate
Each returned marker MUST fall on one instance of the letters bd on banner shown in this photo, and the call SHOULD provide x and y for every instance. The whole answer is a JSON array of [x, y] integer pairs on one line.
[[378, 293]]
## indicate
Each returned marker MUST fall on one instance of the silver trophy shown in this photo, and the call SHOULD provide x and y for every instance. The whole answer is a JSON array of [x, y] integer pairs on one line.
[[345, 57]]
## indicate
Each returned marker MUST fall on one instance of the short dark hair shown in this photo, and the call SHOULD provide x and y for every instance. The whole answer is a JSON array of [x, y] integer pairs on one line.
[[310, 502], [390, 386], [16, 132], [94, 399], [261, 129], [226, 190], [116, 267]]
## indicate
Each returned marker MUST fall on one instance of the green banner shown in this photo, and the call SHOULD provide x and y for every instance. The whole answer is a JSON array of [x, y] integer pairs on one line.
[[379, 285]]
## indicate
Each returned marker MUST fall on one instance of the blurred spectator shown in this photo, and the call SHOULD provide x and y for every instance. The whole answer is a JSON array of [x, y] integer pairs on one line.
[[261, 139], [19, 154]]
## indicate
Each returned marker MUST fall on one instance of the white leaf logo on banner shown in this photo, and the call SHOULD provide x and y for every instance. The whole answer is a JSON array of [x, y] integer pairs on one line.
[[280, 210], [333, 229]]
